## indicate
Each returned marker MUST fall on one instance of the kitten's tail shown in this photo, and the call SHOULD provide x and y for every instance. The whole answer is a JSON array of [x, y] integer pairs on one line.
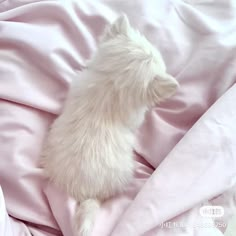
[[85, 216]]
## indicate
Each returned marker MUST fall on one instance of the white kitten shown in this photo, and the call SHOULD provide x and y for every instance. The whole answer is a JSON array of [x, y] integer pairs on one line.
[[89, 150]]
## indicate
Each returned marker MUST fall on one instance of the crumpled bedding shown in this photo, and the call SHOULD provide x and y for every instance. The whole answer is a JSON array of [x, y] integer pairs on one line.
[[186, 152]]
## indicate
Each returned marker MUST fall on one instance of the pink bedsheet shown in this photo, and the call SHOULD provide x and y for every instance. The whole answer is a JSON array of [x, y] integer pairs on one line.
[[186, 157]]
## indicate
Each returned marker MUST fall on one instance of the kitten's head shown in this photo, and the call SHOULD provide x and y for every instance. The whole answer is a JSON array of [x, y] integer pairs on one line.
[[134, 67]]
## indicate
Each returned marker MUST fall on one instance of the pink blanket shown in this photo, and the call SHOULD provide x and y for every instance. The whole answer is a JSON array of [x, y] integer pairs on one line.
[[186, 157]]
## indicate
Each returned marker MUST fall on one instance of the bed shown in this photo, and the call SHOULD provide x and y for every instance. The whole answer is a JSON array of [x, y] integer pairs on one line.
[[186, 152]]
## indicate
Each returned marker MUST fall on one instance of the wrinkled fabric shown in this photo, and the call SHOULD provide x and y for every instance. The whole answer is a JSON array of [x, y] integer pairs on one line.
[[186, 152]]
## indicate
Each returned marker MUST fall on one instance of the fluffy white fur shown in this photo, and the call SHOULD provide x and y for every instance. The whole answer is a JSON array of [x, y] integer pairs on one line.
[[89, 150]]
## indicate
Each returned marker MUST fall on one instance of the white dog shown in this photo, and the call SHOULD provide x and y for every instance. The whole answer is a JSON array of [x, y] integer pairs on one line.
[[89, 150]]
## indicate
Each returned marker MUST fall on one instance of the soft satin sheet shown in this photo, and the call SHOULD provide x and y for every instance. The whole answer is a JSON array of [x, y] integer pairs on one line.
[[186, 154]]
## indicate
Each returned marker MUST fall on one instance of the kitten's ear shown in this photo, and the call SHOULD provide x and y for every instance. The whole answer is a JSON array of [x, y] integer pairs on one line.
[[120, 26], [167, 86], [162, 87]]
